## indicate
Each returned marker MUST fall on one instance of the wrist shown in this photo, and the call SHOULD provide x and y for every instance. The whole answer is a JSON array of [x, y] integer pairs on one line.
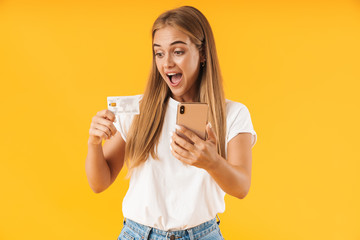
[[216, 164], [94, 142]]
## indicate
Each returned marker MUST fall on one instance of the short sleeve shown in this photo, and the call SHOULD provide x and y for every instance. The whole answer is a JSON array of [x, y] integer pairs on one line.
[[239, 121]]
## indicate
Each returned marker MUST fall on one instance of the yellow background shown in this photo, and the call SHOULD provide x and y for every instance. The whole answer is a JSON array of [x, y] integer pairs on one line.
[[294, 64]]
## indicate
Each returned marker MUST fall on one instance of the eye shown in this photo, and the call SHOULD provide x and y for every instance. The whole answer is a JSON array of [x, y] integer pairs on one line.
[[178, 52], [159, 54]]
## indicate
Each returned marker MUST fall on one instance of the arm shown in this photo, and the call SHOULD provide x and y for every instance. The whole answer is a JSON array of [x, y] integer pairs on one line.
[[232, 175], [103, 163]]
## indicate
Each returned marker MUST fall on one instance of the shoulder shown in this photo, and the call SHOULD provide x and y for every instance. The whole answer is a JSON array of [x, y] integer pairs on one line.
[[238, 120], [234, 109], [232, 104]]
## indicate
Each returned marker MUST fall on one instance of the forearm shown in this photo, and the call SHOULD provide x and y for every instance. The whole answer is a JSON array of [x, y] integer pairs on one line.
[[97, 169], [233, 180]]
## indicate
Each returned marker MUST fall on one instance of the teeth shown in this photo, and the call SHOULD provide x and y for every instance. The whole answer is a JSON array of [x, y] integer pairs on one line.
[[171, 74]]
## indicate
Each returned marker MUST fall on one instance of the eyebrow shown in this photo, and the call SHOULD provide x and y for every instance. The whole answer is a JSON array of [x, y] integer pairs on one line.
[[173, 43]]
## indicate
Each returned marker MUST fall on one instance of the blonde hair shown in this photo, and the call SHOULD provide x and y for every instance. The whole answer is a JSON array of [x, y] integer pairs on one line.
[[145, 130]]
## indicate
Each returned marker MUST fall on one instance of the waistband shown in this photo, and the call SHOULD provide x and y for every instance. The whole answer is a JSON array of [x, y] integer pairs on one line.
[[193, 232]]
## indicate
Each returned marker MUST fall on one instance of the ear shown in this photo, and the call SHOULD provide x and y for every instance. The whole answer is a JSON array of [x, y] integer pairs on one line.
[[202, 55], [203, 58]]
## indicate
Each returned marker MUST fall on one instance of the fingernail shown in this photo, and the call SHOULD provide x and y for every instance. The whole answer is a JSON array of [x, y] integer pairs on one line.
[[170, 148], [210, 125], [177, 127]]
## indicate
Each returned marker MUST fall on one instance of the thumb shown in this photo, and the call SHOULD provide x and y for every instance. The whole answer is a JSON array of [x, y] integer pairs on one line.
[[210, 133]]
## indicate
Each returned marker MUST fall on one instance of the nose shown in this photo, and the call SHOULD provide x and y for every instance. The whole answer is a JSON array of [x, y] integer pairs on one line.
[[169, 61]]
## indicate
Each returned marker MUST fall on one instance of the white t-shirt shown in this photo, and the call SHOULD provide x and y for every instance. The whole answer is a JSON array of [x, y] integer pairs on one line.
[[169, 195]]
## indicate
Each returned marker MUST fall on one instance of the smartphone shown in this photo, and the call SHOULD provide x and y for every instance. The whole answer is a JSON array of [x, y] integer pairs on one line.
[[194, 116]]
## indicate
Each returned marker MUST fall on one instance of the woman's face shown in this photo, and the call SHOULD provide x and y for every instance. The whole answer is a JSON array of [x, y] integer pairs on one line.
[[178, 61]]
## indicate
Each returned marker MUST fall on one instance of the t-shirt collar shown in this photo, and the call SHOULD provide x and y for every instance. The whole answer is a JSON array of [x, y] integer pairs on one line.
[[173, 103]]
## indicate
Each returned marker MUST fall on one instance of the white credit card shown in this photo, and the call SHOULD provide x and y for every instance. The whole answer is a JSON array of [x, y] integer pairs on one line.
[[124, 105]]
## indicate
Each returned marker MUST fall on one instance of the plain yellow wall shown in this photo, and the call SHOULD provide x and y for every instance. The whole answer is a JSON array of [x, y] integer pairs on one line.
[[294, 64]]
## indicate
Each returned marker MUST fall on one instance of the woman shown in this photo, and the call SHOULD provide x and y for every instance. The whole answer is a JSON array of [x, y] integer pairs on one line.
[[177, 186]]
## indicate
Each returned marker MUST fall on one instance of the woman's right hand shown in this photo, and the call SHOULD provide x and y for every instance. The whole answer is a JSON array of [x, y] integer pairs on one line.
[[102, 127]]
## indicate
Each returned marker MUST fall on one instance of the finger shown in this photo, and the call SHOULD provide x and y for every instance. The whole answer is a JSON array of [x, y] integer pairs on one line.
[[106, 114], [210, 133], [98, 133], [189, 134], [113, 129], [183, 143], [181, 151], [106, 123], [104, 129], [173, 144], [179, 157]]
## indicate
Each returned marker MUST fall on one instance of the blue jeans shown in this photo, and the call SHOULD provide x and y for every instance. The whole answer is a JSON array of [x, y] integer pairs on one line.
[[206, 231]]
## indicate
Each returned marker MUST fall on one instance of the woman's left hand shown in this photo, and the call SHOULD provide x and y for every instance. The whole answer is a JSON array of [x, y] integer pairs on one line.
[[200, 153]]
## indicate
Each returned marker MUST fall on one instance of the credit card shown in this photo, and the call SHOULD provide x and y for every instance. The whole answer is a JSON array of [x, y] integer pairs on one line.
[[124, 105]]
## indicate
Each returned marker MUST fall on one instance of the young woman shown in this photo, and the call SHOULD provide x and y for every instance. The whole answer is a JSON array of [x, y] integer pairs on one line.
[[177, 186]]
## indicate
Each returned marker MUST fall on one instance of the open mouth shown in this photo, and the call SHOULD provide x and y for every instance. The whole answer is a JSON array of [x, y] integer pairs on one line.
[[174, 78]]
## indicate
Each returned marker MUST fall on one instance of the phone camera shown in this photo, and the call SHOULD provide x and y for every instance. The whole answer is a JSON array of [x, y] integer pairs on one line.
[[182, 109]]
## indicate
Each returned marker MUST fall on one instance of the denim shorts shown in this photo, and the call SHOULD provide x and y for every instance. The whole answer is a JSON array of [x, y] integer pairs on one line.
[[206, 231]]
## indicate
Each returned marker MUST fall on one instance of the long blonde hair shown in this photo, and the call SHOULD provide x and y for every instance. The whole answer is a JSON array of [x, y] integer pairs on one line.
[[145, 130]]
